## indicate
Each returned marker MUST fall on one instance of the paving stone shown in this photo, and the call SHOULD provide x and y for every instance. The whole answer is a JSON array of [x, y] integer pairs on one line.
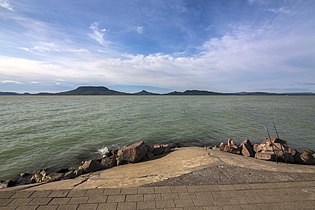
[[40, 194], [221, 194], [226, 187], [59, 201], [178, 189], [59, 193], [193, 208], [112, 191], [212, 208], [238, 200], [20, 201], [5, 201], [68, 207], [107, 206], [169, 196], [237, 193], [116, 198], [165, 189], [184, 203], [22, 194], [152, 197], [39, 201], [127, 206], [175, 208], [164, 204], [195, 189], [8, 207], [202, 202], [97, 199], [130, 198], [78, 200], [204, 195], [50, 207], [231, 207], [27, 207], [87, 206], [187, 196], [145, 190], [210, 188], [94, 192], [76, 193], [129, 191], [221, 201], [305, 204], [4, 194], [146, 205]]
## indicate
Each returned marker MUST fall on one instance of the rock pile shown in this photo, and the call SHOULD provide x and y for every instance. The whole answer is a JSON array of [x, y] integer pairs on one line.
[[271, 148], [133, 153]]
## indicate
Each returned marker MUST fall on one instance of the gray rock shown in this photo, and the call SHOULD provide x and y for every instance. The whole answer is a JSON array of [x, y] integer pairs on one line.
[[307, 157], [53, 177], [247, 149], [38, 176], [70, 174], [132, 153], [25, 178], [6, 184], [108, 162], [150, 156], [265, 156], [90, 166]]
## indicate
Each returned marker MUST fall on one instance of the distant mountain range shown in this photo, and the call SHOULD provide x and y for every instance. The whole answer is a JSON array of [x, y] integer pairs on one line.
[[100, 90]]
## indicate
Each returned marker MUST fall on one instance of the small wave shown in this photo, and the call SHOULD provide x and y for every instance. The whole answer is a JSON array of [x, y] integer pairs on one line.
[[103, 151]]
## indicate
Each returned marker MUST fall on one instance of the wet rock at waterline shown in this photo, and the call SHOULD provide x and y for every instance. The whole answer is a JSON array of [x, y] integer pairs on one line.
[[132, 153], [271, 149], [135, 152]]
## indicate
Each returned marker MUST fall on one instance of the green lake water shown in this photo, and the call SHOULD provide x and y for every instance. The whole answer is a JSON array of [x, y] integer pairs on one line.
[[60, 131]]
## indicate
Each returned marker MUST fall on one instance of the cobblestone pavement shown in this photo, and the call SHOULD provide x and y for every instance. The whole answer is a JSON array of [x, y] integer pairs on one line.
[[283, 195]]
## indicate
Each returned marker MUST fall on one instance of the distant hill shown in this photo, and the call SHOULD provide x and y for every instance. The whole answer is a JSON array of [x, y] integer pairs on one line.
[[92, 90], [101, 90], [194, 92], [144, 92], [8, 93]]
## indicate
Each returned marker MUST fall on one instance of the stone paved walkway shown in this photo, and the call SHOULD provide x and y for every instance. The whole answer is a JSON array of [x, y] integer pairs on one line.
[[285, 195]]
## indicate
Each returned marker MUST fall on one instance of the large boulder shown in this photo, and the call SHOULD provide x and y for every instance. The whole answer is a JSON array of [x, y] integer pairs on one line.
[[132, 153], [24, 178], [247, 149], [6, 184], [90, 166], [53, 177], [161, 149], [306, 157], [265, 156], [38, 176], [108, 162]]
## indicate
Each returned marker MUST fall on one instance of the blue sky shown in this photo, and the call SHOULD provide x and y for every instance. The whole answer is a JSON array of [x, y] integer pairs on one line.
[[158, 45]]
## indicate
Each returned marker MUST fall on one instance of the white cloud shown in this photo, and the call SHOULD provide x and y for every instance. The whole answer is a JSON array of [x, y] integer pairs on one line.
[[11, 82], [6, 4], [280, 10], [140, 29], [98, 34]]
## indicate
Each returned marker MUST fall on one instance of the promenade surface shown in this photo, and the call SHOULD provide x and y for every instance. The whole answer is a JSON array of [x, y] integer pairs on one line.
[[281, 195]]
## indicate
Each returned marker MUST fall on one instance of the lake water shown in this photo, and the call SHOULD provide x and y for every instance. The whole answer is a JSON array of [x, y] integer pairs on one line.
[[60, 131]]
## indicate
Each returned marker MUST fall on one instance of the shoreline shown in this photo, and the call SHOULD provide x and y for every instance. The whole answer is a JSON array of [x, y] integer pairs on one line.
[[185, 166]]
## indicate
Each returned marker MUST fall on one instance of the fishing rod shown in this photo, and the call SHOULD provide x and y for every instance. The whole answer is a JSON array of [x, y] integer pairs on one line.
[[273, 149], [283, 152]]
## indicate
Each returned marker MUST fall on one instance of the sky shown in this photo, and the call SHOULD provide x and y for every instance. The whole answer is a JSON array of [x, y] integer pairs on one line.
[[158, 45]]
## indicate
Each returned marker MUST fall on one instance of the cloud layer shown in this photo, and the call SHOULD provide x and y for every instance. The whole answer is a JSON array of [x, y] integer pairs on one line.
[[272, 53]]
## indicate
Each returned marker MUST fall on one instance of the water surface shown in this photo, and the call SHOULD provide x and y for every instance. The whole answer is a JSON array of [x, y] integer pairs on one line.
[[60, 131]]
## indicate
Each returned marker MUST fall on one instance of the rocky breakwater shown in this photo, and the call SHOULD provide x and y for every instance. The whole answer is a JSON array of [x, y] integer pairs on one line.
[[271, 149], [133, 153]]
